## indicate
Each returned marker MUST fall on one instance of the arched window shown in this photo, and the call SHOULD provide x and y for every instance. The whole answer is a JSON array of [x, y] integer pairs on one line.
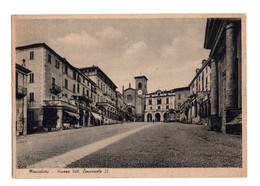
[[159, 101], [139, 85]]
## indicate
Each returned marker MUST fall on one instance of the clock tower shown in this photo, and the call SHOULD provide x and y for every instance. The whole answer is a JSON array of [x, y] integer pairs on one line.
[[141, 90], [141, 85]]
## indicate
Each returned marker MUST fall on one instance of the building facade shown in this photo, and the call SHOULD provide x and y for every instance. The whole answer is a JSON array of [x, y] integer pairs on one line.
[[106, 99], [80, 90], [121, 106], [181, 95], [129, 96], [59, 95], [196, 109], [21, 78], [135, 99], [160, 106], [223, 39]]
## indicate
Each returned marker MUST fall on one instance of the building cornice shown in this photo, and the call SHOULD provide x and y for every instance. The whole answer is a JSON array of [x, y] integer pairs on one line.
[[37, 45], [140, 77], [129, 89], [102, 74], [63, 60], [199, 72], [181, 89]]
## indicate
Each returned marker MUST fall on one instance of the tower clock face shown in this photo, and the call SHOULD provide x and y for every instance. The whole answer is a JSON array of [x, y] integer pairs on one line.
[[139, 92]]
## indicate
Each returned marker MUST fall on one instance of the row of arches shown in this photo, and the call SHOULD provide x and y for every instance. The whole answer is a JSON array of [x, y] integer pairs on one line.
[[158, 117], [109, 113]]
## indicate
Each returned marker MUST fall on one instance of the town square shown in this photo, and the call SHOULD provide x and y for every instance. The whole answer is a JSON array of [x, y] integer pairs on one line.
[[128, 93]]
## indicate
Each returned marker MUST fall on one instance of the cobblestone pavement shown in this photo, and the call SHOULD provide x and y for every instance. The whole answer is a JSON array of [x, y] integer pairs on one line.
[[168, 145], [61, 161], [131, 145], [34, 148]]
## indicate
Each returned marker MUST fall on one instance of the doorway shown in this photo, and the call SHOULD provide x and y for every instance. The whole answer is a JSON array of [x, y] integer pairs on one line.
[[149, 117], [157, 117]]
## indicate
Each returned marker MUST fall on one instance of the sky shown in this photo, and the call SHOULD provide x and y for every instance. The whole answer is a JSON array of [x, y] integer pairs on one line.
[[166, 50]]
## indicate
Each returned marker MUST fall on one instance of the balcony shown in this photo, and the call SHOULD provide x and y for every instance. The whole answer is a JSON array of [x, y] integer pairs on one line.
[[20, 91], [84, 98], [105, 104], [60, 103], [102, 104], [55, 89]]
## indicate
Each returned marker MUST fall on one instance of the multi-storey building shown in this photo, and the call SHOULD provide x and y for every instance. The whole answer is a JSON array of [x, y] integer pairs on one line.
[[181, 95], [59, 94], [121, 106], [80, 89], [201, 80], [21, 76], [106, 93], [223, 38], [158, 106], [196, 108]]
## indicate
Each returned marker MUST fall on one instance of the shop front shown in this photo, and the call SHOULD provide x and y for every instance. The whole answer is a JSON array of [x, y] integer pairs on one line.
[[58, 115]]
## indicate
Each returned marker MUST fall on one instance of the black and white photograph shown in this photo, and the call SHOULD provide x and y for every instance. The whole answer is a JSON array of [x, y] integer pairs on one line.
[[113, 96]]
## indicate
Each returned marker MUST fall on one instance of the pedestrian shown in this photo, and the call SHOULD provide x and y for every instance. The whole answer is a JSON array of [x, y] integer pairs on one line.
[[153, 120]]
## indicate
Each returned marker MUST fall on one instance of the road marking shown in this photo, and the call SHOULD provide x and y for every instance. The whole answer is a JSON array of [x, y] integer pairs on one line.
[[61, 161]]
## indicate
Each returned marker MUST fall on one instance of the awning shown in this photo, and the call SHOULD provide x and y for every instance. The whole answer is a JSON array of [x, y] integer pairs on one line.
[[96, 116], [72, 114]]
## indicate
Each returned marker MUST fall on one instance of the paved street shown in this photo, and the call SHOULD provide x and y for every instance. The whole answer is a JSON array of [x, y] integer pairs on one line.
[[37, 147], [131, 145]]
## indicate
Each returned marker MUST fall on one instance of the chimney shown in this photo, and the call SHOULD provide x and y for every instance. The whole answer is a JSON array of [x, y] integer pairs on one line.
[[203, 62], [129, 85]]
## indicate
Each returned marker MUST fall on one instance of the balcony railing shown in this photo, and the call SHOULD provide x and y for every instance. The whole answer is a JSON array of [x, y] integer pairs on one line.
[[104, 104], [55, 89], [84, 97], [59, 103], [21, 91]]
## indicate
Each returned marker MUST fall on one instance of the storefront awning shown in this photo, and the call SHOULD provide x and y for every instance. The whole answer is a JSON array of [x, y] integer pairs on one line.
[[96, 116], [72, 114]]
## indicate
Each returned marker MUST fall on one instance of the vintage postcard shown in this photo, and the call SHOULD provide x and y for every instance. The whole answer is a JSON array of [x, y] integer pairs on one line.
[[129, 96]]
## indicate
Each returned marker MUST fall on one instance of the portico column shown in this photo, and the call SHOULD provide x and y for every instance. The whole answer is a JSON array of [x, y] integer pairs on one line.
[[25, 115], [60, 115], [214, 88], [214, 121], [198, 109], [40, 119], [84, 118], [89, 119], [232, 67]]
